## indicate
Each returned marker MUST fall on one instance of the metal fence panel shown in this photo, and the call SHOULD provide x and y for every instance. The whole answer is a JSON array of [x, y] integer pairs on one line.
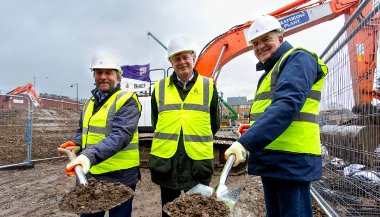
[[350, 121], [29, 134]]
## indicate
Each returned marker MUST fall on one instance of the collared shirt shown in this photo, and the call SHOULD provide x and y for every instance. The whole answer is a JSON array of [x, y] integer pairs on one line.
[[101, 95], [187, 81]]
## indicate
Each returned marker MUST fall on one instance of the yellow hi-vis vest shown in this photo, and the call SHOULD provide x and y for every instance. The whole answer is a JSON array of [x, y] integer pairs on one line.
[[302, 136], [98, 126], [192, 115]]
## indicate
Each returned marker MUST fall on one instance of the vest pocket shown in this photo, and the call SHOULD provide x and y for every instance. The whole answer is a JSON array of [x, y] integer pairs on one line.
[[202, 169], [159, 166]]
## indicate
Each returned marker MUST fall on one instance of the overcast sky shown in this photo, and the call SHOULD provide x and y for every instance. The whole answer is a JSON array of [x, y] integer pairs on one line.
[[50, 43]]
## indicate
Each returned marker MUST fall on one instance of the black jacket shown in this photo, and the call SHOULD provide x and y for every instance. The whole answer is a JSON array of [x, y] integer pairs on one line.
[[181, 172]]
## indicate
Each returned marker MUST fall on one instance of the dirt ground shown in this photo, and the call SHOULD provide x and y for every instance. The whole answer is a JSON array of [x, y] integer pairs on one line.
[[37, 191]]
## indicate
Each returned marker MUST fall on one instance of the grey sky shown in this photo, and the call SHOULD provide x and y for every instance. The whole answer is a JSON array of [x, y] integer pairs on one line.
[[51, 42]]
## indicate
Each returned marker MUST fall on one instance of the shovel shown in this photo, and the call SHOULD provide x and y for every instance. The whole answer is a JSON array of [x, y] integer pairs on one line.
[[98, 204], [78, 169], [229, 196]]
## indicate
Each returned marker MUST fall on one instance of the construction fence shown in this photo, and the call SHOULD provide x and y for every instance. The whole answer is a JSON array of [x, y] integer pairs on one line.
[[349, 120], [29, 133]]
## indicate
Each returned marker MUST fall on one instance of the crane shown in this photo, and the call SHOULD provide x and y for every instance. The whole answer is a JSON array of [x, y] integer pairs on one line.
[[28, 88]]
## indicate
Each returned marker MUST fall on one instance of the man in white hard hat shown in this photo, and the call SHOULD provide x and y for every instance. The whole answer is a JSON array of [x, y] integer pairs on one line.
[[107, 133], [185, 117], [283, 137]]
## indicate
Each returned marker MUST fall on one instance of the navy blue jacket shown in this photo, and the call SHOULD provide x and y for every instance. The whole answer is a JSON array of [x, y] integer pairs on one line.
[[123, 127], [298, 72]]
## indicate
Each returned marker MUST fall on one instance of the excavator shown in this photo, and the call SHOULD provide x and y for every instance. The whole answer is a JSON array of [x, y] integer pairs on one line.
[[27, 88], [298, 16], [295, 17]]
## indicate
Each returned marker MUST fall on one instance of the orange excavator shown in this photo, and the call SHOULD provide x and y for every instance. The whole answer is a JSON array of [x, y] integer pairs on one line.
[[27, 88], [298, 16]]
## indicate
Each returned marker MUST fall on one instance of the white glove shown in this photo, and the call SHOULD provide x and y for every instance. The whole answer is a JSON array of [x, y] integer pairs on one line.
[[239, 151], [80, 160]]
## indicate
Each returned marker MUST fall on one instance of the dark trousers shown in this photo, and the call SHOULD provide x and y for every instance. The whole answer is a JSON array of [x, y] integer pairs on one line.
[[168, 195], [123, 210], [287, 198]]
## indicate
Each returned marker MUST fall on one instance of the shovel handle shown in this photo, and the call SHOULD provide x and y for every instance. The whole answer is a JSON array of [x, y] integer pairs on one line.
[[78, 169], [226, 169]]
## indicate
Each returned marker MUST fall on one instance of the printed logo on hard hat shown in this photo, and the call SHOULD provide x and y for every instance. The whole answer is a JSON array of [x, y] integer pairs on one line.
[[105, 106]]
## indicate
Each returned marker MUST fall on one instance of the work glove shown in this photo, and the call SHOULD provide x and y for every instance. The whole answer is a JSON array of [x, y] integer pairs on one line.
[[239, 151], [69, 145], [242, 129], [81, 160]]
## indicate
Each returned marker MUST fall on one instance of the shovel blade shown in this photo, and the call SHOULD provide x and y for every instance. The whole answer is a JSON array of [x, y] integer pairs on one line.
[[202, 189], [230, 196]]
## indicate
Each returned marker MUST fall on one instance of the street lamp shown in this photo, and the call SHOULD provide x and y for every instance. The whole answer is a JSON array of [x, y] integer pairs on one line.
[[76, 86]]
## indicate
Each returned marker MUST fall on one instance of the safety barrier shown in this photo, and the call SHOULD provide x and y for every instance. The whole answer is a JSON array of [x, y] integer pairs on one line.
[[33, 133], [350, 121]]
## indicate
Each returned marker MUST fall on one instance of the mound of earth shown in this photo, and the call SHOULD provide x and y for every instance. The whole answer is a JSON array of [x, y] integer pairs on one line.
[[194, 205], [94, 197]]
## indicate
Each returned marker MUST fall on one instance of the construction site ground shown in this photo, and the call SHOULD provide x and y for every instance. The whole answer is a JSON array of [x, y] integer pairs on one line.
[[37, 191]]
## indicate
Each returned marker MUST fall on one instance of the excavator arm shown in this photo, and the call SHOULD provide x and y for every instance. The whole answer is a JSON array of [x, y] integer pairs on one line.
[[27, 88], [294, 18]]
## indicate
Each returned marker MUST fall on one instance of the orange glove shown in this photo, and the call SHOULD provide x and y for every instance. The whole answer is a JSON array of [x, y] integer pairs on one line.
[[69, 145], [243, 128], [81, 160]]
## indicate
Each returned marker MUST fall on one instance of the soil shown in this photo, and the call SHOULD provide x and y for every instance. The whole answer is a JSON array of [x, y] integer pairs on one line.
[[38, 190], [194, 205], [94, 197]]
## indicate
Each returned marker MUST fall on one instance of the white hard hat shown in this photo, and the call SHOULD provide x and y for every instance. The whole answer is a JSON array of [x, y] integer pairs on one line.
[[263, 25], [105, 61], [180, 44]]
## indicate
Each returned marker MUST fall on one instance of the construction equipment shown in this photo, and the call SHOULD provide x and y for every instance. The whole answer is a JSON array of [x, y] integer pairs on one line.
[[221, 190], [295, 17], [28, 88], [230, 117]]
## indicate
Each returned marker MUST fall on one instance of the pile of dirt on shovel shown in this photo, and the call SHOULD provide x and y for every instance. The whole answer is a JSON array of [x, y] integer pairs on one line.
[[94, 197], [196, 205]]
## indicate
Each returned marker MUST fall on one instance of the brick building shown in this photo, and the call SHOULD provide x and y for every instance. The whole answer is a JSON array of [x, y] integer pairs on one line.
[[48, 101], [242, 107]]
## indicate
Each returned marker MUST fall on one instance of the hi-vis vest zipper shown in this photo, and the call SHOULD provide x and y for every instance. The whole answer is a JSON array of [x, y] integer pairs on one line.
[[302, 136], [191, 115], [97, 126]]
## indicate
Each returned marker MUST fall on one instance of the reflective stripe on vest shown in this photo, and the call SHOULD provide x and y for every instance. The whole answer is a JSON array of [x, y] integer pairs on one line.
[[98, 126], [302, 136], [191, 115]]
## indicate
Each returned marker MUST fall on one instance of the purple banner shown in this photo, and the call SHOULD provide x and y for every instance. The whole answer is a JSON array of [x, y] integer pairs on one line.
[[137, 72]]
